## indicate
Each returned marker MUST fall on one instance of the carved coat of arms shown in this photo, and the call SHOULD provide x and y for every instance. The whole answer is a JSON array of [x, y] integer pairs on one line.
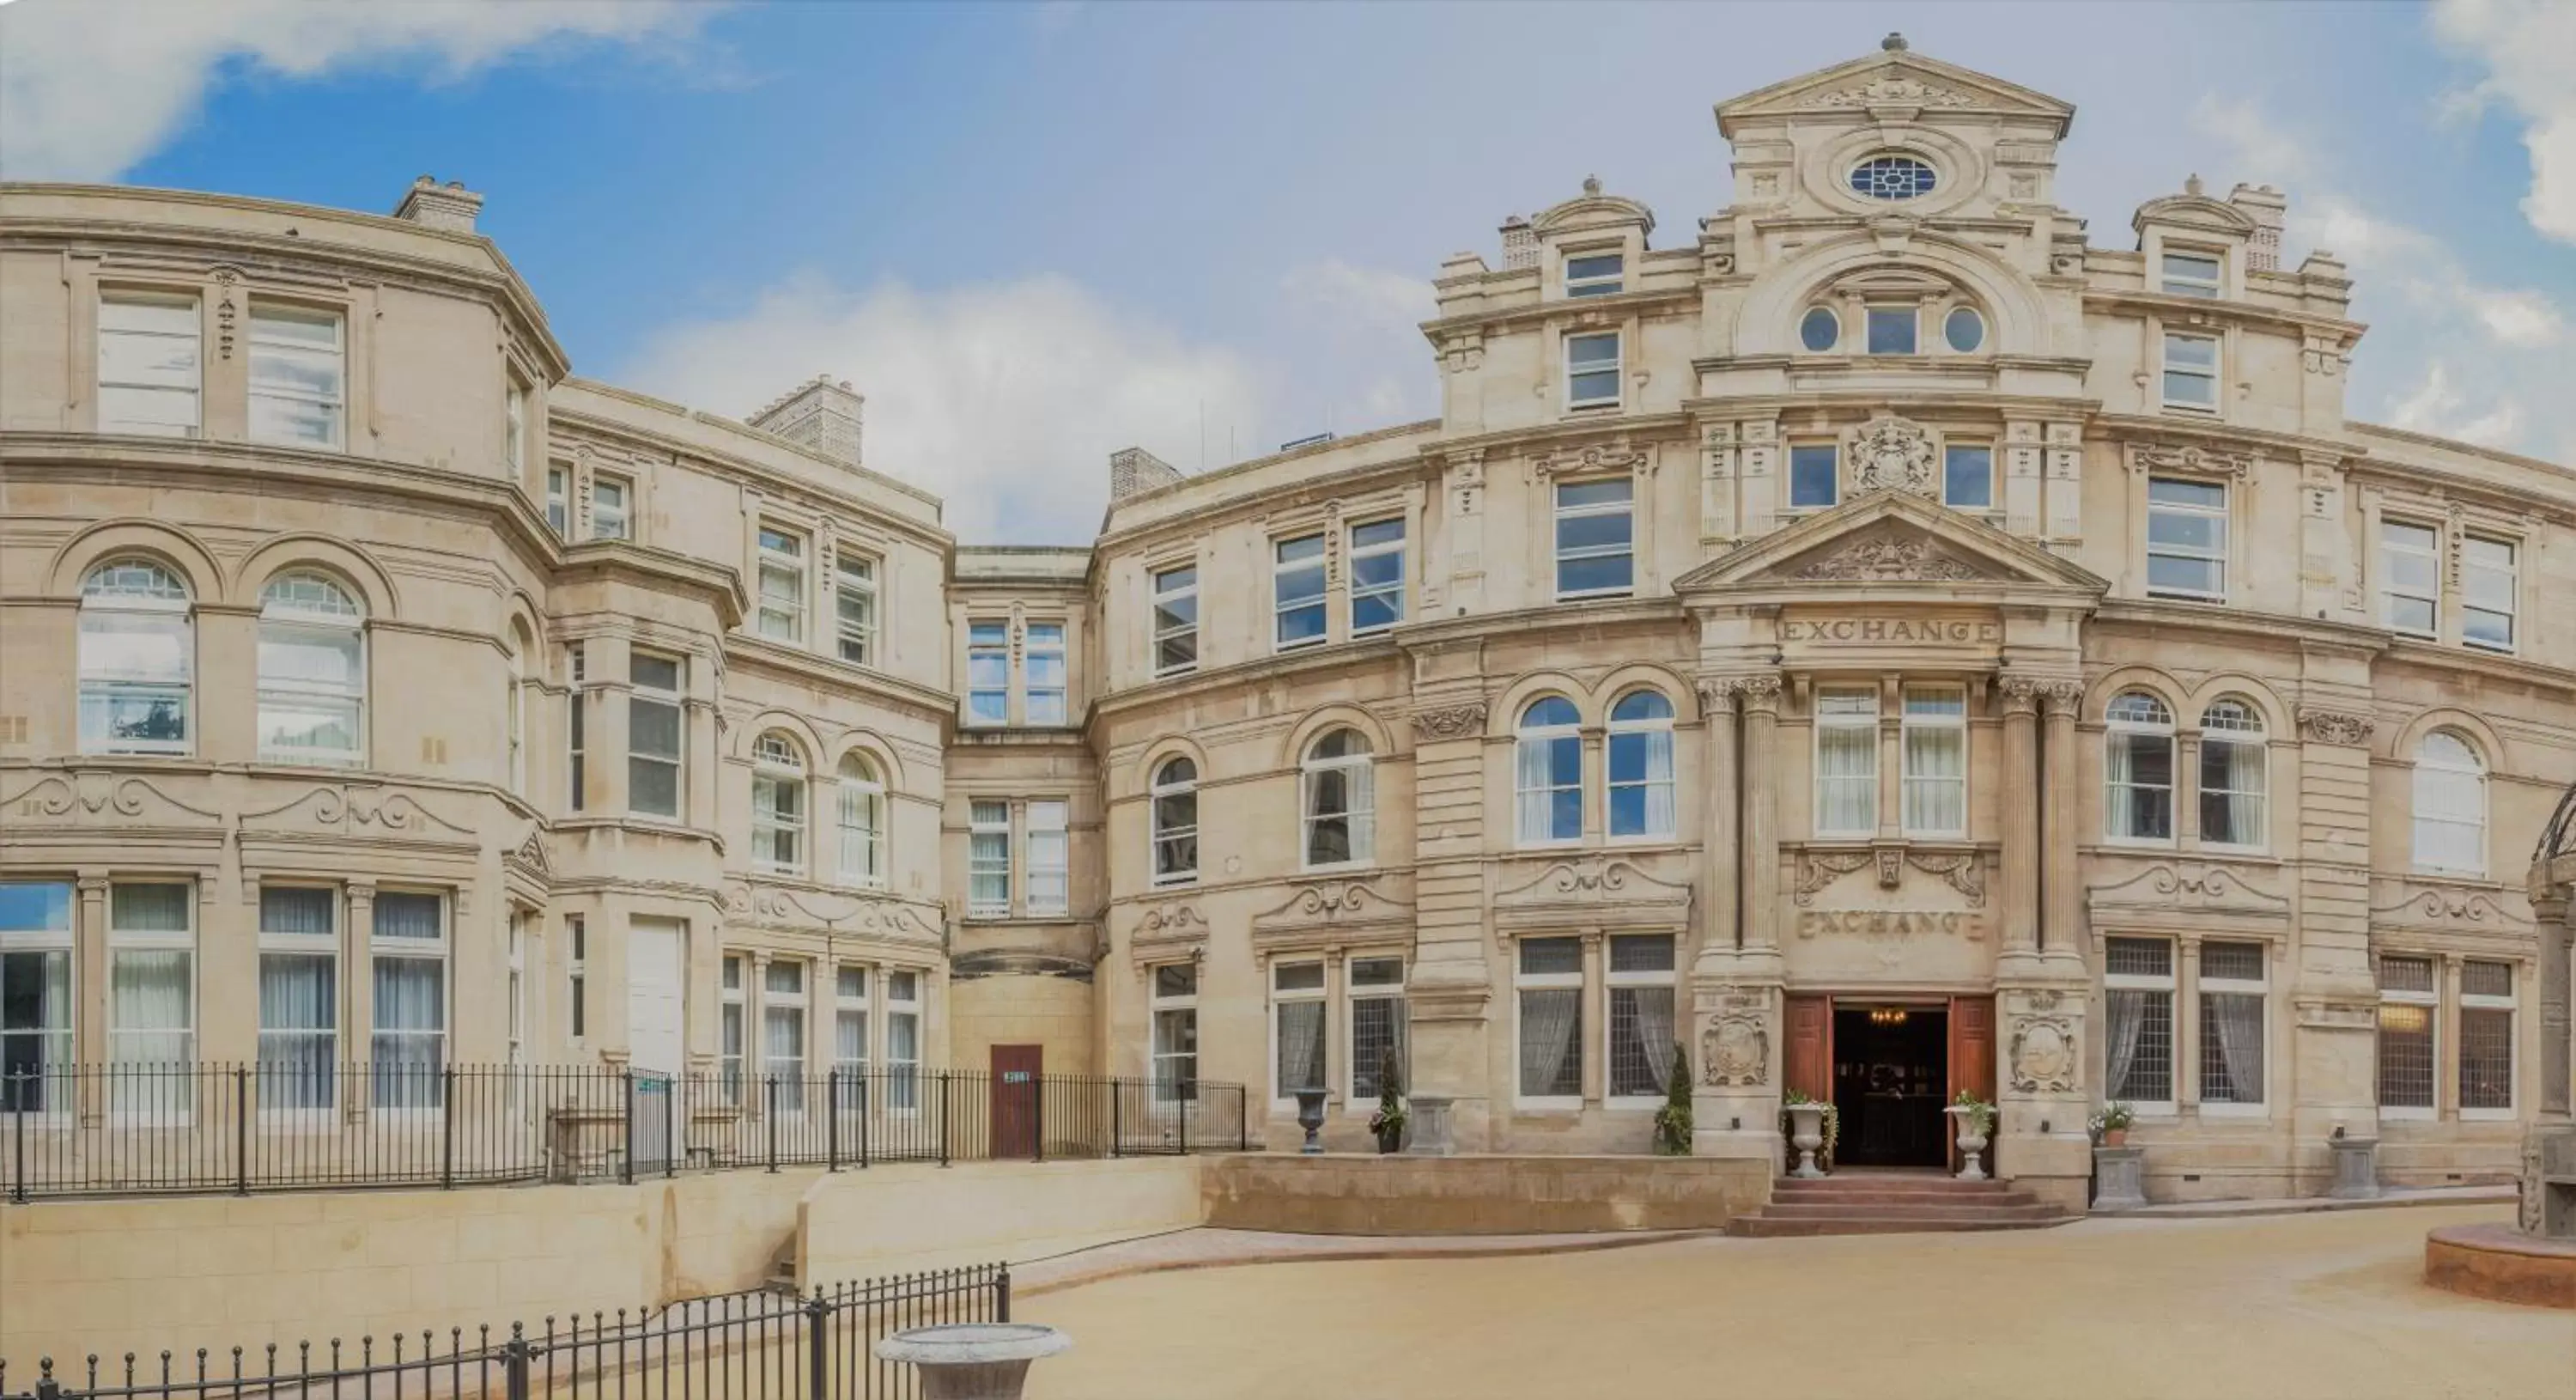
[[1892, 453]]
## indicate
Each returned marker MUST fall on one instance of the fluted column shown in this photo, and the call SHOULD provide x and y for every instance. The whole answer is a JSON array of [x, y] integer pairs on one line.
[[2059, 906], [1760, 696], [1719, 928], [2021, 805], [2555, 928]]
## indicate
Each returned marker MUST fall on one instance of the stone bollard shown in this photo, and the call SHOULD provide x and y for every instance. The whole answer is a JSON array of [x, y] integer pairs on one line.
[[2356, 1163], [973, 1360], [2120, 1174], [1428, 1134]]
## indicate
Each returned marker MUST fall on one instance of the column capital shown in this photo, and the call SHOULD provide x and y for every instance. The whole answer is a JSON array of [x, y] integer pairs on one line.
[[1759, 694], [2062, 698]]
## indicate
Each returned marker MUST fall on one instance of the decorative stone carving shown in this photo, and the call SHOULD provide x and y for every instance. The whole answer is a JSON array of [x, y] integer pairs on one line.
[[1757, 692], [1891, 866], [2062, 697], [2190, 887], [1892, 90], [1817, 869], [2021, 694], [852, 914], [352, 807], [1330, 908], [2321, 726], [1889, 453], [1592, 892], [1886, 560], [1614, 457], [1966, 872], [87, 798], [2191, 457], [1464, 721], [1172, 920], [531, 856], [2468, 909], [2042, 1051], [1735, 1050]]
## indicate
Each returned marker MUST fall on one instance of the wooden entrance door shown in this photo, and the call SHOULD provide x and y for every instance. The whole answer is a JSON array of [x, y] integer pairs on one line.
[[1016, 1077], [1972, 1059], [1810, 1058]]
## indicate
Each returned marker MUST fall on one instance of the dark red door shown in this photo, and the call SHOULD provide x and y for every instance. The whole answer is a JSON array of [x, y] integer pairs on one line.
[[1810, 1067], [1017, 1071], [1972, 1061]]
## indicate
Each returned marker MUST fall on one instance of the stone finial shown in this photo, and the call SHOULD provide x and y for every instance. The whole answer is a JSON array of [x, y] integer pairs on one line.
[[432, 205], [2191, 185], [1133, 470], [1893, 43], [823, 415], [1592, 184]]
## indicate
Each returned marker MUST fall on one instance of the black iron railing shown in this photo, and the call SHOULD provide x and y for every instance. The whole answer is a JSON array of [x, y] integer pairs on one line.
[[740, 1346], [91, 1130]]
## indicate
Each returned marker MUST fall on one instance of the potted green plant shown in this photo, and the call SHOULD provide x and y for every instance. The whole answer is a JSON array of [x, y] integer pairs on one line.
[[1812, 1126], [1673, 1120], [1388, 1122], [2111, 1125], [1976, 1128]]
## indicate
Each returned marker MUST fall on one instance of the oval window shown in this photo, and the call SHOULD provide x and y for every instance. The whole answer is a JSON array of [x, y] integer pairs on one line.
[[1820, 329], [1965, 329], [1892, 177]]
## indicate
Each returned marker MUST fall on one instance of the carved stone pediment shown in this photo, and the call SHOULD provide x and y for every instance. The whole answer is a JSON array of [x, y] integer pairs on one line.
[[853, 914], [1891, 533], [2186, 888], [1886, 556], [99, 799], [2449, 907], [354, 809], [1335, 906], [1168, 931], [1894, 80], [1594, 892], [1461, 721], [531, 856]]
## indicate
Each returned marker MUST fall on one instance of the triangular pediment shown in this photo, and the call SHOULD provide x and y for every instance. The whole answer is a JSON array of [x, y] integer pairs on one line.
[[1892, 78], [1887, 538]]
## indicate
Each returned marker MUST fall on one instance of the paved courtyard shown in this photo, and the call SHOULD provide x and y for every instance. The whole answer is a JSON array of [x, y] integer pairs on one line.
[[2278, 1308]]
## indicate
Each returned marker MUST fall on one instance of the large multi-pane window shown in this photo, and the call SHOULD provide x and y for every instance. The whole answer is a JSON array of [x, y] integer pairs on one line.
[[2186, 539], [2408, 1008], [1176, 620], [1642, 1043], [410, 954], [2450, 805], [1176, 1030], [2191, 371], [850, 1034], [1377, 1023], [149, 364], [1595, 538], [2410, 578], [151, 975], [1934, 748], [2138, 768], [782, 585], [863, 822], [903, 1039], [137, 657], [1296, 1028], [298, 375], [777, 806], [1592, 370], [2232, 986], [1639, 753], [653, 734], [1297, 591], [2488, 584], [2234, 775], [1338, 800], [1042, 674], [1548, 772], [299, 1004], [855, 595], [1547, 981], [35, 994], [1892, 330], [608, 508], [988, 859], [782, 1032], [1815, 475], [1173, 803], [2138, 1048], [312, 671], [2486, 1039], [1050, 887], [1377, 575], [1847, 762], [988, 672]]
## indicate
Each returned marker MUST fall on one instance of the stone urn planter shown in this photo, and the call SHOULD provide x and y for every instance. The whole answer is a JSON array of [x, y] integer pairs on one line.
[[1807, 1134], [1974, 1123], [1310, 1116], [973, 1360]]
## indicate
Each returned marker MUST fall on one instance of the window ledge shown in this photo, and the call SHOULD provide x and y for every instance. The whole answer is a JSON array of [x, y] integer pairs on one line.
[[2489, 1115]]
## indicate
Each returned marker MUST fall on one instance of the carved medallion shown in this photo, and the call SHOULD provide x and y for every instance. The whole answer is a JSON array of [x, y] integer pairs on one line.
[[2043, 1055], [1736, 1050], [1450, 721], [1889, 453]]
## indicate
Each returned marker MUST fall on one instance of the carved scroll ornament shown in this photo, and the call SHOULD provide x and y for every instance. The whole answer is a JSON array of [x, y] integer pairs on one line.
[[2322, 726], [1450, 721]]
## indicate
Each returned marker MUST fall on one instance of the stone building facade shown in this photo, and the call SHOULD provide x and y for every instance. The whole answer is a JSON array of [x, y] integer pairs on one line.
[[1885, 646]]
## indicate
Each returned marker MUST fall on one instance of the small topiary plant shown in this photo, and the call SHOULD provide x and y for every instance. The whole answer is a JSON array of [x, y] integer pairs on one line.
[[1673, 1120]]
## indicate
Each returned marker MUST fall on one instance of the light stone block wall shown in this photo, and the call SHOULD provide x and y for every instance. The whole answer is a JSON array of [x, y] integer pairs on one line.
[[1054, 1013], [879, 1222], [1403, 1195]]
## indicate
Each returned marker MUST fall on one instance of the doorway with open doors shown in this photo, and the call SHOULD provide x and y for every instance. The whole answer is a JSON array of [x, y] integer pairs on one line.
[[1890, 1064]]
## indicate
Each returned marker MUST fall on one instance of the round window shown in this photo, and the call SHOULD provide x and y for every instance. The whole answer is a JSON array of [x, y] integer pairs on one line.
[[1964, 329], [1819, 329], [1892, 177]]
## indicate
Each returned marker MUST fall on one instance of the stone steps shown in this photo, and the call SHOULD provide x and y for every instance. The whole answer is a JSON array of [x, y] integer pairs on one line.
[[1893, 1203]]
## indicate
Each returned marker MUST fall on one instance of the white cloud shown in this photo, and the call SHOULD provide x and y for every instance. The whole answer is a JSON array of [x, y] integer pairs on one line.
[[90, 88], [1006, 399], [2442, 410], [2526, 46]]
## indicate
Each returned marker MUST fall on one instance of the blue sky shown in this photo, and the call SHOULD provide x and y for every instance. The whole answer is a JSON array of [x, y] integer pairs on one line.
[[1033, 234]]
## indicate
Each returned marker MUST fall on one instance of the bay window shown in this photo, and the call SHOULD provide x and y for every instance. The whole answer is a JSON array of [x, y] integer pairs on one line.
[[150, 363], [2138, 1050], [2138, 768], [298, 375], [1934, 745], [1547, 981], [1296, 1029], [2409, 1006], [137, 658], [312, 672], [1642, 1043], [1847, 762], [1639, 754], [1548, 772], [299, 1011], [2232, 1036], [410, 953]]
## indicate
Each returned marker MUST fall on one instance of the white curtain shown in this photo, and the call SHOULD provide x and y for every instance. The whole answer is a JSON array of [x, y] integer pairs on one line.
[[1531, 770], [1363, 794], [1847, 763], [148, 1005], [1935, 779], [1655, 1032], [783, 1041], [297, 1028], [2128, 1015], [407, 916], [296, 909], [1551, 1018], [2238, 1017], [2232, 782], [1301, 1046], [1659, 781], [411, 1024], [859, 827]]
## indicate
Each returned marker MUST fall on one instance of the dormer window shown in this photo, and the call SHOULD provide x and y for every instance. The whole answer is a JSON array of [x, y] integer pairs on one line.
[[1891, 330], [1820, 330], [1892, 177], [1598, 275], [2192, 274]]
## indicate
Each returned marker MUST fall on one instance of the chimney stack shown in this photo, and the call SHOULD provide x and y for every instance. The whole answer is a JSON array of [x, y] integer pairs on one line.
[[432, 205], [823, 415], [1134, 470], [2269, 209], [1520, 244]]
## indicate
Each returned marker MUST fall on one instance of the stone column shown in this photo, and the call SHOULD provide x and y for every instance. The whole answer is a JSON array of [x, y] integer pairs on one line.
[[1596, 1069], [2041, 977], [2061, 899], [1449, 987], [358, 1017], [1761, 844], [1719, 928], [2019, 895], [2554, 930], [2334, 997], [90, 993], [1735, 982]]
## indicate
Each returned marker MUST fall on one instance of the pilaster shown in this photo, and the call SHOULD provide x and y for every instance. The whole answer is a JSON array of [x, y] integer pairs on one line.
[[1450, 985], [2334, 998], [358, 994], [2019, 897], [2554, 932], [1737, 978]]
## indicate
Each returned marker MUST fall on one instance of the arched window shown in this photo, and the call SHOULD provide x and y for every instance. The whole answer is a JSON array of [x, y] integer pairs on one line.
[[863, 823], [1641, 765], [1892, 177], [1175, 808], [2234, 774], [777, 805], [2138, 768], [137, 653], [2450, 805], [312, 671], [1548, 771], [1339, 799]]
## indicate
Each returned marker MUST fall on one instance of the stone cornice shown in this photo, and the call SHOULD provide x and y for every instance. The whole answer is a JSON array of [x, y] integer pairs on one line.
[[744, 471], [2137, 302], [1253, 501], [1376, 650], [1654, 301], [625, 558], [754, 652]]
